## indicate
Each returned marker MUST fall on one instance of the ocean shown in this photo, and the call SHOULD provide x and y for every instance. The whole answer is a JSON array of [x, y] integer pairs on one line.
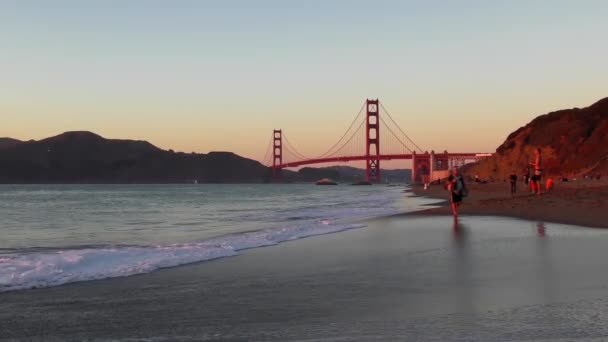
[[58, 234]]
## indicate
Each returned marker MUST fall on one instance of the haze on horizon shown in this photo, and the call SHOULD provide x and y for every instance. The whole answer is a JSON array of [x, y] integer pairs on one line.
[[208, 76]]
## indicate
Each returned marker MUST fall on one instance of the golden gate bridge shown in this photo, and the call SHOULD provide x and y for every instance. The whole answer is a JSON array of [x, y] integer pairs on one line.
[[362, 142]]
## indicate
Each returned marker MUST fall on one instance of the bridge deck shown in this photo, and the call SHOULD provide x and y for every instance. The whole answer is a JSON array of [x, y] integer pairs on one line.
[[382, 157]]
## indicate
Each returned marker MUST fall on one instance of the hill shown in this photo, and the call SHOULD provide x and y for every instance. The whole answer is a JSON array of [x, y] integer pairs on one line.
[[573, 142], [8, 142], [85, 157]]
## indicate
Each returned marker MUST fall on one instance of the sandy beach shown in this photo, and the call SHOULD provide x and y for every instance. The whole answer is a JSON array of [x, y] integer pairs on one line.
[[583, 203]]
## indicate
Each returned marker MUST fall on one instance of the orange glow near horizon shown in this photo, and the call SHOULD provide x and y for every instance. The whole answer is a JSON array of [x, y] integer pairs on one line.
[[465, 133]]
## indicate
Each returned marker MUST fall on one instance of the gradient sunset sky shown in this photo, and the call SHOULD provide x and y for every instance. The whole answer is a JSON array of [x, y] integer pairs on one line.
[[220, 75]]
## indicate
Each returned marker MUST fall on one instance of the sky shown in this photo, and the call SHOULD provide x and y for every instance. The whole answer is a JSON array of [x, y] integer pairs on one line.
[[221, 75]]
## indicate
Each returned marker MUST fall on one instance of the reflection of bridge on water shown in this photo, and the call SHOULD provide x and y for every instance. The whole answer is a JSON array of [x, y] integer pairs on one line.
[[361, 142]]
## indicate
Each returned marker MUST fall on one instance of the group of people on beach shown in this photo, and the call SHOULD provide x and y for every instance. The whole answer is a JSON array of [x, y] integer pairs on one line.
[[457, 189], [532, 176]]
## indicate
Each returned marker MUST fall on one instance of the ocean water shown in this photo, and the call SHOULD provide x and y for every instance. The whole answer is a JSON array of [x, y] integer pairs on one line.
[[57, 234]]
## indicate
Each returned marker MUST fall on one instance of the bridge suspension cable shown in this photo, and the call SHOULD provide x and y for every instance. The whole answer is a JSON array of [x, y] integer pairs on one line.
[[402, 132], [354, 143], [292, 149], [357, 147], [327, 153], [391, 146], [267, 161]]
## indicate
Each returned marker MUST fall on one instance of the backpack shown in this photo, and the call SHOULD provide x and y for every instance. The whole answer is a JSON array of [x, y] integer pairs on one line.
[[464, 191]]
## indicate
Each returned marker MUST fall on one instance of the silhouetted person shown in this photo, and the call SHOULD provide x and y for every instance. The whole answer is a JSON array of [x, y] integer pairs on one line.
[[457, 189], [538, 171], [513, 180]]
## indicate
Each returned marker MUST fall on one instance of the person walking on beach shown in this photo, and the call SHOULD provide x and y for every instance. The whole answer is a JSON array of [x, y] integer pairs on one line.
[[513, 180], [457, 190], [538, 170], [448, 180]]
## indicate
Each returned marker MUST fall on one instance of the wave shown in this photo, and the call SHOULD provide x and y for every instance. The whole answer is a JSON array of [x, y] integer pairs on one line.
[[52, 268], [36, 267]]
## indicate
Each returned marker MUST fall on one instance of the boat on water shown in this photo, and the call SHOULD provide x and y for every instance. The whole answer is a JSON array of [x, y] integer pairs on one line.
[[326, 181]]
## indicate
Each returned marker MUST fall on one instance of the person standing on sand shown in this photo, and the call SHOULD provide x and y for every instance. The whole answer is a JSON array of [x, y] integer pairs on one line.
[[538, 170], [457, 190], [548, 184], [513, 180]]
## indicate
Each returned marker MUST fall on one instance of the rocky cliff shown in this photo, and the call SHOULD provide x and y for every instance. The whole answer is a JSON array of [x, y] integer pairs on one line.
[[573, 142]]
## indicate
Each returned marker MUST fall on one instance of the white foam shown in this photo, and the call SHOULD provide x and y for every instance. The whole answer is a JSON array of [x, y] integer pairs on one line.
[[44, 269], [34, 269]]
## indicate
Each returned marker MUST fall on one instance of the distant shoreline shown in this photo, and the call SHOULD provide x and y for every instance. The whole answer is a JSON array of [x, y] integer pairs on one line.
[[581, 203], [346, 183], [143, 183]]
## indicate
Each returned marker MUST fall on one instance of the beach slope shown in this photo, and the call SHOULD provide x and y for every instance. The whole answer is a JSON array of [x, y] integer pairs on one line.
[[583, 203]]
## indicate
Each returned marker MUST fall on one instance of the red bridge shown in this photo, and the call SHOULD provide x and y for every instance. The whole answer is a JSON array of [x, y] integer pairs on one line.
[[361, 142]]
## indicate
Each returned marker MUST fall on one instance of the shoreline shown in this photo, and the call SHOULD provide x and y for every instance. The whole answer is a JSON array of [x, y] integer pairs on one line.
[[424, 280], [484, 201], [576, 203], [407, 276]]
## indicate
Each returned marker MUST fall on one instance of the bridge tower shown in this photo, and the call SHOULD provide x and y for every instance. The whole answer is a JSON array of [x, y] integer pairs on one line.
[[414, 168], [277, 153], [372, 141]]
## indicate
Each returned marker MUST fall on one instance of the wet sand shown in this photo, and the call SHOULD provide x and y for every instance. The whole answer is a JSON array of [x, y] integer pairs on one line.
[[398, 279], [583, 203]]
